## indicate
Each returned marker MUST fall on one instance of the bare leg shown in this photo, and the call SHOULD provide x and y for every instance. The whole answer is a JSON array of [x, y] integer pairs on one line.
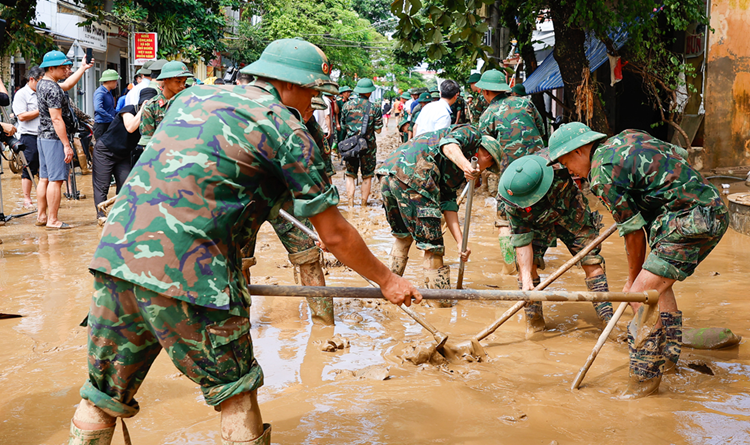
[[437, 276], [26, 187], [54, 196], [350, 188], [89, 417], [241, 420], [400, 254], [41, 200], [366, 187], [648, 281]]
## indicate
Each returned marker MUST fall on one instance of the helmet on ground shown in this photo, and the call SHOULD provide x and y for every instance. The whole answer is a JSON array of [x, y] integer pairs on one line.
[[493, 80], [365, 86], [109, 75], [526, 181], [54, 58], [295, 61], [494, 148], [174, 69], [570, 137]]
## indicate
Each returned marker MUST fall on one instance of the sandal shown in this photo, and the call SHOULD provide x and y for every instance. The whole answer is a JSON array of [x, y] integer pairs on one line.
[[63, 226]]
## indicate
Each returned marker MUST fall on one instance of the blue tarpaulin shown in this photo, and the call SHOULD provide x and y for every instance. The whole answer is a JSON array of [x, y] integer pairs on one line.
[[547, 75]]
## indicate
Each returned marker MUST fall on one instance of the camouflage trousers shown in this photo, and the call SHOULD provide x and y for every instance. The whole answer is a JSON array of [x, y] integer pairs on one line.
[[691, 236], [411, 214], [293, 238], [365, 163], [130, 325]]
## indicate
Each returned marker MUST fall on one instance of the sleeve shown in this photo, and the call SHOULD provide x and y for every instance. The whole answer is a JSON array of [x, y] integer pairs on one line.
[[128, 109], [55, 97], [616, 198], [147, 127], [466, 136], [378, 118], [4, 100], [520, 227], [19, 104], [538, 121], [443, 122], [99, 102]]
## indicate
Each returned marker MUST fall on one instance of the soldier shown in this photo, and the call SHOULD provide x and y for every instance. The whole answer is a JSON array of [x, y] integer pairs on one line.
[[352, 118], [544, 204], [518, 127], [344, 93], [423, 100], [403, 123], [479, 104], [656, 196], [458, 111], [173, 75], [419, 184], [167, 270]]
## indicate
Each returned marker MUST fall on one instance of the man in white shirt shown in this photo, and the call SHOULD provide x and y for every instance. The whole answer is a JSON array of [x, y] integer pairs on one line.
[[135, 92], [26, 109], [437, 115], [324, 117]]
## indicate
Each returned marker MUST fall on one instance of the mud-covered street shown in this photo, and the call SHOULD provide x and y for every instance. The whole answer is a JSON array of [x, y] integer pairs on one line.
[[368, 392]]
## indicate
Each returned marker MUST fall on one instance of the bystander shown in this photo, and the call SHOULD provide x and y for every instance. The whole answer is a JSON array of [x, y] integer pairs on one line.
[[104, 102], [26, 109], [437, 115]]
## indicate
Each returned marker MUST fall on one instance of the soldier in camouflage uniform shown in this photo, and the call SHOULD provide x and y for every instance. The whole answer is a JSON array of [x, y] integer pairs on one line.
[[422, 100], [404, 120], [419, 184], [458, 111], [544, 204], [518, 127], [655, 196], [343, 97], [478, 103], [352, 118], [167, 270]]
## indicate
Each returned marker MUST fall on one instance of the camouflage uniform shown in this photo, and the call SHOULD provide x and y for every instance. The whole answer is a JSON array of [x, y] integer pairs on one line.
[[421, 182], [478, 105], [320, 140], [459, 105], [646, 183], [340, 134], [169, 260], [352, 117], [153, 113], [414, 115]]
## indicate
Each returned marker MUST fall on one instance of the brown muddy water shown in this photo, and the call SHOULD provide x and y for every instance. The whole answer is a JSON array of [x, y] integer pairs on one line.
[[520, 395]]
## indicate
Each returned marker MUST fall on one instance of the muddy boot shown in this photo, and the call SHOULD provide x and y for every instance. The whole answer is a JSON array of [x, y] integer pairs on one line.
[[398, 264], [534, 314], [264, 439], [646, 364], [439, 279], [672, 322], [603, 310], [311, 274], [86, 437]]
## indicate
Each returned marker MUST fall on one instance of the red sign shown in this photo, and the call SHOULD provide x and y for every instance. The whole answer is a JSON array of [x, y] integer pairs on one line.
[[145, 47]]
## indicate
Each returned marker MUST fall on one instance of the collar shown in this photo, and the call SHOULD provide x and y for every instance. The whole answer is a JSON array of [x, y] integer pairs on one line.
[[267, 86], [498, 98]]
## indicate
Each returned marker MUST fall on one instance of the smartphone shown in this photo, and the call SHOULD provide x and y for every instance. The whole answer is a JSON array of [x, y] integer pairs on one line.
[[89, 55]]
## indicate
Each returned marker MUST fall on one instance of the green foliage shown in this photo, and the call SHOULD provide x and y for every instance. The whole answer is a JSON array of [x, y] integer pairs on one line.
[[377, 12], [20, 35]]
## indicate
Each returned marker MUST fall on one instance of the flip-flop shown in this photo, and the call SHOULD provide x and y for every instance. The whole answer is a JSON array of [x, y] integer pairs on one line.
[[40, 223], [63, 226]]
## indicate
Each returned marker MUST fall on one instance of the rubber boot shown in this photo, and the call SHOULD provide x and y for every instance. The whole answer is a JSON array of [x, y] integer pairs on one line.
[[534, 314], [86, 437], [646, 364], [672, 322], [398, 264], [311, 274], [603, 310], [439, 279], [264, 439]]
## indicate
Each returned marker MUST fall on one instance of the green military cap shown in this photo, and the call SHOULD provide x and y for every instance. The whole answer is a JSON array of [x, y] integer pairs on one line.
[[424, 97], [493, 80], [344, 89], [434, 95], [526, 181], [519, 89], [54, 58], [146, 68], [158, 65], [364, 85], [434, 90], [494, 148], [174, 69], [109, 75], [295, 61], [474, 78], [405, 95], [570, 137]]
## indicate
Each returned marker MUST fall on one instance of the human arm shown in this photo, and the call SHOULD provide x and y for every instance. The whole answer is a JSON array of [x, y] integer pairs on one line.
[[451, 219], [8, 129], [21, 109], [453, 152], [132, 122], [344, 242], [635, 248], [55, 115], [525, 261], [71, 81], [378, 120]]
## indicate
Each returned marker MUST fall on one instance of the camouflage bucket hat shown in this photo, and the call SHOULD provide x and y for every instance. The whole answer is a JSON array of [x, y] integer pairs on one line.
[[364, 86], [570, 137], [174, 69], [526, 181], [496, 151], [493, 80], [295, 61], [474, 78]]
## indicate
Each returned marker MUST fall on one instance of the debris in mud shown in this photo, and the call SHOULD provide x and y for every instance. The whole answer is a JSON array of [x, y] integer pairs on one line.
[[374, 372], [352, 317], [331, 263], [334, 344], [420, 353], [514, 418], [701, 367], [709, 338]]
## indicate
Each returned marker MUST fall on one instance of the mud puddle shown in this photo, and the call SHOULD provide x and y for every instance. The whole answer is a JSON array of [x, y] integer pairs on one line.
[[367, 392]]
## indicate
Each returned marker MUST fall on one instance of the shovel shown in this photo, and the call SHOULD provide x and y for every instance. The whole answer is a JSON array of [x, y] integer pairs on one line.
[[467, 222]]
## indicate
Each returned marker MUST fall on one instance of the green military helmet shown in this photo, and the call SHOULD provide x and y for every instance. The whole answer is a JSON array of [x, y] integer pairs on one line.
[[474, 78], [344, 89], [318, 103], [174, 69], [405, 95], [295, 61], [526, 181], [158, 65], [109, 75], [365, 86], [519, 89], [493, 80], [54, 58], [494, 148], [570, 137], [434, 95], [424, 98]]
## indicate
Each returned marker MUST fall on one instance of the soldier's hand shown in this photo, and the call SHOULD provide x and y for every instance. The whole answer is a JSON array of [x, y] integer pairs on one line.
[[398, 291], [470, 173], [465, 255]]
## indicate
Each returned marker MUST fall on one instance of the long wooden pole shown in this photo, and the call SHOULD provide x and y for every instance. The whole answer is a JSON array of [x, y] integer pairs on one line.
[[467, 222], [602, 339], [555, 275]]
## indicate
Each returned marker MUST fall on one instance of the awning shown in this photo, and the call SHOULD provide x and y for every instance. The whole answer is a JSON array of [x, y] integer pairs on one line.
[[547, 75]]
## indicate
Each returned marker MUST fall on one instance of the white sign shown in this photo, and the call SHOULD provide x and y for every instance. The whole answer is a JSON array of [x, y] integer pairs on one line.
[[93, 36]]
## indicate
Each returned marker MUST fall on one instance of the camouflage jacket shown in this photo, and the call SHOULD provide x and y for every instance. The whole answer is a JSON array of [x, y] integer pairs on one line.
[[216, 166], [414, 115], [639, 178], [478, 105], [557, 207], [459, 106], [515, 123], [319, 137], [421, 164], [352, 117], [153, 113]]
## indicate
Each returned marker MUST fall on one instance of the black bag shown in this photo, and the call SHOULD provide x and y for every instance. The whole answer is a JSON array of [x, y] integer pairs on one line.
[[351, 147]]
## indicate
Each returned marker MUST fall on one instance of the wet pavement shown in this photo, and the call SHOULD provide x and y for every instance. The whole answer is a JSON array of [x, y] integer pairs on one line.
[[520, 395]]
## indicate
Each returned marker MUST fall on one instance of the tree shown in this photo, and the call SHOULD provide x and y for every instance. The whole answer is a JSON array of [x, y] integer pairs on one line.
[[20, 33]]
